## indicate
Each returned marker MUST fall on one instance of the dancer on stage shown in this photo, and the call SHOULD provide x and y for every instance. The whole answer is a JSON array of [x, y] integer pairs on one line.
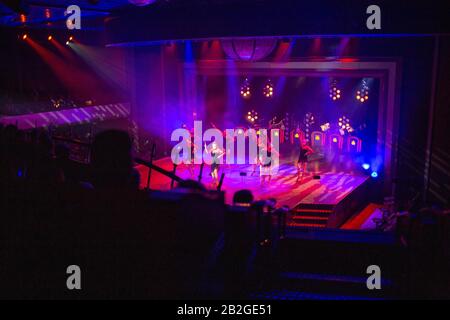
[[266, 165], [216, 154], [305, 151], [191, 166]]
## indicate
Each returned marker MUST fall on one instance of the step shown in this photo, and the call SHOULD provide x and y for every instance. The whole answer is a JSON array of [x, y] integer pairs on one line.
[[317, 213], [314, 206], [306, 225], [336, 278], [332, 284], [299, 217], [310, 220], [301, 295], [313, 210]]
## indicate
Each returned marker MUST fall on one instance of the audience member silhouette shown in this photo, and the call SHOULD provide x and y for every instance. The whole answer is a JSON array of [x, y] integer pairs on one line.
[[111, 161], [243, 197]]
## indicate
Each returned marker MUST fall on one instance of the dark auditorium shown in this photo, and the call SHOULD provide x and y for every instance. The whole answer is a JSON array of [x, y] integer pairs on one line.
[[224, 150]]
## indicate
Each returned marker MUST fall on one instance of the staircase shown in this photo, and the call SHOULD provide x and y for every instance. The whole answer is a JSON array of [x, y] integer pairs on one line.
[[331, 264], [319, 286], [311, 215]]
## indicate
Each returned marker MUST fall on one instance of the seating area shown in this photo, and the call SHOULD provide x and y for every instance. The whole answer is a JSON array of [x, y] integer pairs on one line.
[[224, 150], [134, 243], [19, 108], [183, 243]]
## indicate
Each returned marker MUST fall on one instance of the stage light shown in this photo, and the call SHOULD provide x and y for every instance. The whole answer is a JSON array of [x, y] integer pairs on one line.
[[374, 174], [344, 125], [297, 135], [317, 138], [308, 122], [245, 89], [69, 40], [362, 95], [335, 140], [24, 37], [252, 116], [49, 38], [268, 89], [325, 127], [366, 166], [335, 92]]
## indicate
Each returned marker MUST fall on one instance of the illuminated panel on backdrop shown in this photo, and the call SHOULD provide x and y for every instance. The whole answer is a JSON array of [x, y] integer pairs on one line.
[[318, 138], [354, 144], [336, 141]]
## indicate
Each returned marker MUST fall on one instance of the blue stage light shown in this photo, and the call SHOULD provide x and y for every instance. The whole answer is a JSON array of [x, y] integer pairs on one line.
[[366, 166], [374, 174]]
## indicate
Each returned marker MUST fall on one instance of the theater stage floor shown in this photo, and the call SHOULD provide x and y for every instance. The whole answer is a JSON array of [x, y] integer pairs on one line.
[[330, 189]]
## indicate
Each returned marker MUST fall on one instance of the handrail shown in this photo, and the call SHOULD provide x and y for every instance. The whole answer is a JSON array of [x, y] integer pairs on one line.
[[69, 140], [159, 169]]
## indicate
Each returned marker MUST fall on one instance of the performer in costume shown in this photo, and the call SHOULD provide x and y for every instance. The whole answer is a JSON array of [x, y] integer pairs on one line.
[[191, 166], [216, 154], [305, 151], [267, 165]]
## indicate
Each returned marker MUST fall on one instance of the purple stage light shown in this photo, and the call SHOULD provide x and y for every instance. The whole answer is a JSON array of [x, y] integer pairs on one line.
[[252, 116], [245, 89], [344, 125], [335, 92], [268, 89], [362, 95]]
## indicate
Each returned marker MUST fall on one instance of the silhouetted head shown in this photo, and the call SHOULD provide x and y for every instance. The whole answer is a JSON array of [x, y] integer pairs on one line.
[[243, 197], [111, 159]]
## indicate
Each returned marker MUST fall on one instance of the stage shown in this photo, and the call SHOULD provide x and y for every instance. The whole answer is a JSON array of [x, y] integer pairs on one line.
[[314, 202]]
